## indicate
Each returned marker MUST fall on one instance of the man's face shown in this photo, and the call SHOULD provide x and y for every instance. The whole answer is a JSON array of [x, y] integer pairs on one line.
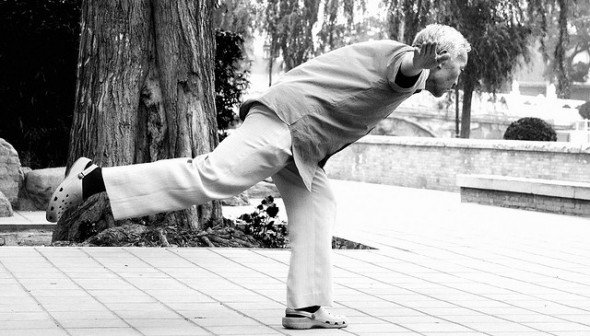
[[445, 76]]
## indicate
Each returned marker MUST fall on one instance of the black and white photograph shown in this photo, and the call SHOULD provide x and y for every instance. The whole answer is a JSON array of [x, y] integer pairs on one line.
[[295, 167]]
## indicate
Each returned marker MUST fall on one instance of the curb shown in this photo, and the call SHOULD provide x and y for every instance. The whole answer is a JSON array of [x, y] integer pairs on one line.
[[24, 227]]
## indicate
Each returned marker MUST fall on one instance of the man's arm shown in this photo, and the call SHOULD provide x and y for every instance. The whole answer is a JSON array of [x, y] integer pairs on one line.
[[424, 57], [412, 64], [405, 81]]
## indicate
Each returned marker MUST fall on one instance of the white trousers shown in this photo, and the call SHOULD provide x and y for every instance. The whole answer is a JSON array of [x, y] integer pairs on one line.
[[260, 148]]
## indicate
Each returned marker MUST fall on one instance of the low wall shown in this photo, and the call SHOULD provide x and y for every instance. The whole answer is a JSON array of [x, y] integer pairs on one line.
[[564, 197], [433, 163]]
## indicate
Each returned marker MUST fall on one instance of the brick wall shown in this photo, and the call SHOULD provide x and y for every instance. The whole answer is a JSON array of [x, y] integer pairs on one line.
[[433, 163]]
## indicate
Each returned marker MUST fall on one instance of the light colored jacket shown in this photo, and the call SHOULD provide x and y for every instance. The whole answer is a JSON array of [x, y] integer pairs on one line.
[[334, 99]]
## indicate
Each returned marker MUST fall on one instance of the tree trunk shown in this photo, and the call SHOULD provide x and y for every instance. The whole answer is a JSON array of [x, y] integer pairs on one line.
[[457, 113], [145, 87], [270, 63], [561, 67], [468, 88]]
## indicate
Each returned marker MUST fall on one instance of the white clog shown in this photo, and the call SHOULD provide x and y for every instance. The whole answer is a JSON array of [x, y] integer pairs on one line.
[[69, 193], [295, 319]]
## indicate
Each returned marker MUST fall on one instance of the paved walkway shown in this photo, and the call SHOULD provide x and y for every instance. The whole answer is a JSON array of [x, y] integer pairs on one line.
[[441, 268]]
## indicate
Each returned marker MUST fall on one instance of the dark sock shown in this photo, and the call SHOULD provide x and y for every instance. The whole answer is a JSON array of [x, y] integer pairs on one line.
[[311, 309], [92, 183]]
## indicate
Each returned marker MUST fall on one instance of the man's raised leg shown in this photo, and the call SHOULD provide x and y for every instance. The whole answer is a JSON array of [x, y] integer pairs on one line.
[[253, 152]]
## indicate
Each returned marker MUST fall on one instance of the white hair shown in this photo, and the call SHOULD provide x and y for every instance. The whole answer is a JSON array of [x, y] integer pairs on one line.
[[447, 38]]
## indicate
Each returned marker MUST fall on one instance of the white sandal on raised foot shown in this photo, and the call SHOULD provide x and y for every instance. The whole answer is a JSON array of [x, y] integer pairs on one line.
[[322, 318], [69, 193]]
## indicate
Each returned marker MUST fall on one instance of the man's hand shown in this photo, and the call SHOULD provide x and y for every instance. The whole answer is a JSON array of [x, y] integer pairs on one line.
[[425, 57]]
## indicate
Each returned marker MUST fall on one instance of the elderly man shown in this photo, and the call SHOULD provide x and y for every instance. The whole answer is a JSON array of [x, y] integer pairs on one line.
[[288, 133]]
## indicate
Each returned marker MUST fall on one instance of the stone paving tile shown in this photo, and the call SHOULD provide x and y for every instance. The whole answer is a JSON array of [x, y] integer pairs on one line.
[[468, 333], [46, 323], [231, 320], [529, 333], [19, 308], [34, 332], [176, 322], [104, 332], [559, 326], [167, 283], [77, 323], [377, 328], [199, 307], [179, 296], [23, 316], [455, 269], [262, 311], [69, 306], [87, 315], [80, 294], [120, 307], [158, 312], [239, 295], [243, 330], [173, 331]]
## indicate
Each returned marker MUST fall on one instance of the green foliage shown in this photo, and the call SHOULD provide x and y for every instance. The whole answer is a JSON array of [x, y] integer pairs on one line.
[[584, 110], [579, 71], [563, 28], [230, 81], [238, 16], [38, 55], [289, 24], [264, 225], [497, 30], [338, 28], [406, 17], [530, 129], [497, 36]]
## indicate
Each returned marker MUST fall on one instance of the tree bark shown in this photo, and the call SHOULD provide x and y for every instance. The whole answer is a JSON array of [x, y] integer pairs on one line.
[[145, 87], [561, 67], [468, 87], [457, 113], [113, 62], [270, 64]]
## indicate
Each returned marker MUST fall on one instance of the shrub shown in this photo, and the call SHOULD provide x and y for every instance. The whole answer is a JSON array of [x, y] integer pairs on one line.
[[230, 81], [265, 225], [530, 129], [584, 110]]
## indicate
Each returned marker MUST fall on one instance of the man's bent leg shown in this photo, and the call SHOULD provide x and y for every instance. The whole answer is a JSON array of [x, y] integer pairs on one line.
[[258, 149], [311, 217]]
